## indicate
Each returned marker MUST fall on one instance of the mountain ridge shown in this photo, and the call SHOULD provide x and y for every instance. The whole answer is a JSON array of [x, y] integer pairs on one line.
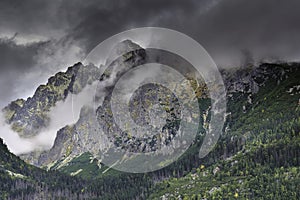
[[28, 117], [260, 141]]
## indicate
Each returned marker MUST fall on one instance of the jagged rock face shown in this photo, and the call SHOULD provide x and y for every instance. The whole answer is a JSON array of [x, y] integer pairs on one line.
[[13, 108], [127, 49], [249, 80], [30, 116], [145, 99], [85, 135]]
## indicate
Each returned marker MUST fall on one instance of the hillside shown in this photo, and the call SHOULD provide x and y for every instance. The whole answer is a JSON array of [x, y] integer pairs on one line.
[[19, 180], [256, 157]]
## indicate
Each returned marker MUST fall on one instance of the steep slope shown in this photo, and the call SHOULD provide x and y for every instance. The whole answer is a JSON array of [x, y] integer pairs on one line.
[[30, 116], [258, 155], [19, 180], [241, 101], [83, 136]]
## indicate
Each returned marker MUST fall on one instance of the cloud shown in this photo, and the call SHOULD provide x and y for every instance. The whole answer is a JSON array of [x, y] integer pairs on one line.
[[12, 139], [265, 28], [32, 17], [100, 21], [224, 27], [40, 38], [15, 60], [25, 66], [64, 113]]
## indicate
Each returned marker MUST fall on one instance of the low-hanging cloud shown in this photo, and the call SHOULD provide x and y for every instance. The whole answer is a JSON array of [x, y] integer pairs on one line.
[[64, 113], [25, 66], [39, 38], [225, 28], [65, 31]]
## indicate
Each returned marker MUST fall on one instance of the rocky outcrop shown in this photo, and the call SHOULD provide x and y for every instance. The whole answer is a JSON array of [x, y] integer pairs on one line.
[[84, 135], [30, 116], [249, 80], [95, 130]]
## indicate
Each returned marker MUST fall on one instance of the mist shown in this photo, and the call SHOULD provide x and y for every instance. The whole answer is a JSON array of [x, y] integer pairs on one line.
[[26, 66], [64, 113]]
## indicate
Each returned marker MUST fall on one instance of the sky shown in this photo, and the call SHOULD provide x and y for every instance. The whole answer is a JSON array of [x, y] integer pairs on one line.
[[39, 38]]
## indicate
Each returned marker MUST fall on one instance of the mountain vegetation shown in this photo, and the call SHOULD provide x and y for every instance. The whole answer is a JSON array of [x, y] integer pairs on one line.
[[256, 157]]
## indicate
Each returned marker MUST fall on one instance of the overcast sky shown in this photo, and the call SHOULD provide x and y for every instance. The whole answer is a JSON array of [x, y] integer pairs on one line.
[[39, 38]]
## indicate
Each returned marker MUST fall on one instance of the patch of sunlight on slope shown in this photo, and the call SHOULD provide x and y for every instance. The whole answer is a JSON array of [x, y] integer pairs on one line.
[[16, 175], [76, 173]]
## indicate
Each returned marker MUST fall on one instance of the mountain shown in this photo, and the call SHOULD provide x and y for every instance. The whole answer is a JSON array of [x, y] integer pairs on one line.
[[30, 116], [75, 139], [256, 157], [19, 180], [258, 154]]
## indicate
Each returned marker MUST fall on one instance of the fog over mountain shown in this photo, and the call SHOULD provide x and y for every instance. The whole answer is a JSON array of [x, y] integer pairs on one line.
[[106, 99], [37, 38], [64, 113]]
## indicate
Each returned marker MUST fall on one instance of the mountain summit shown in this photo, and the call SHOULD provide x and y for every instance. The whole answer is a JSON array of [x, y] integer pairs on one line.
[[261, 132]]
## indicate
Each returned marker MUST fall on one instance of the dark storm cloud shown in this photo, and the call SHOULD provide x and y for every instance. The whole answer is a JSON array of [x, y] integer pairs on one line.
[[16, 57], [33, 46], [32, 17], [59, 30], [15, 60], [268, 29], [101, 19], [51, 34], [24, 67]]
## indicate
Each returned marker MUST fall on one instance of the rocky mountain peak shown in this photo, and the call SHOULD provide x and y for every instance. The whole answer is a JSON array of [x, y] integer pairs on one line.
[[122, 49], [30, 116], [125, 46]]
